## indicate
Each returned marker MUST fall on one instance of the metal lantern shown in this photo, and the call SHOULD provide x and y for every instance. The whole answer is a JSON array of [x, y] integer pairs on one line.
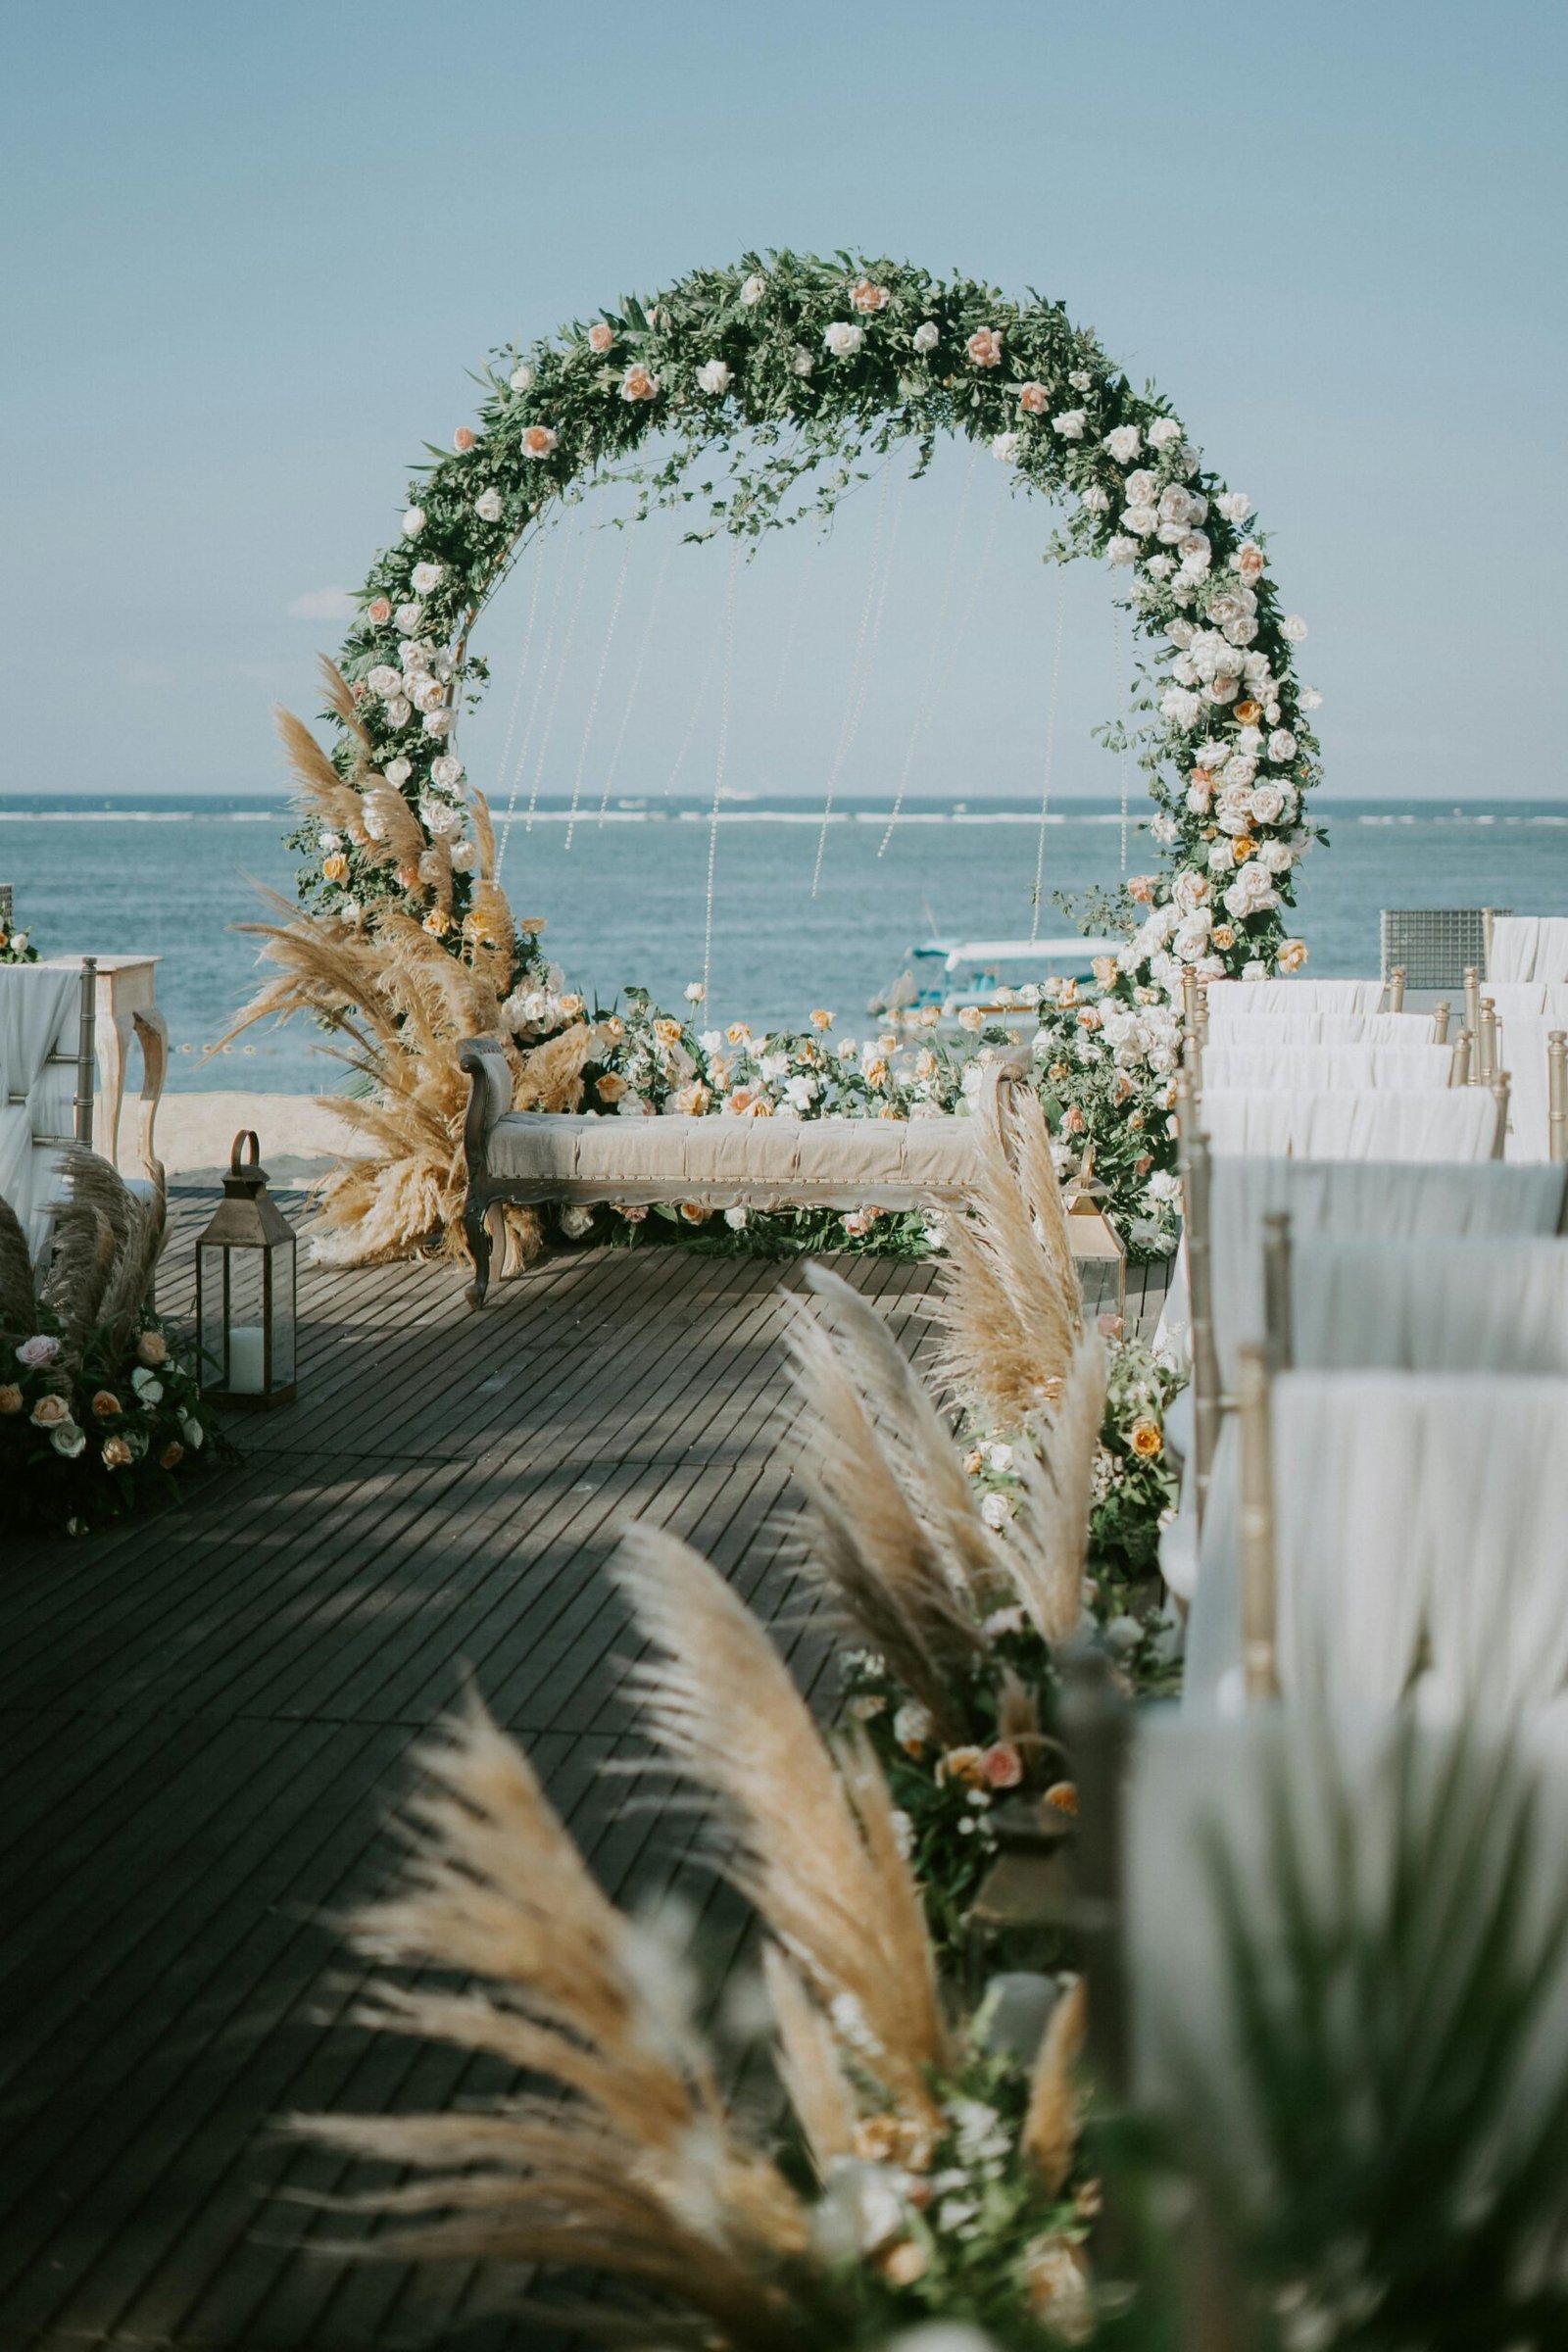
[[245, 1291]]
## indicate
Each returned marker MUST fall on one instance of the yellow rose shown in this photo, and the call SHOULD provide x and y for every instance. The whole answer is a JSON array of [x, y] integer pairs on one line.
[[1146, 1439], [667, 1032], [335, 869], [1293, 954]]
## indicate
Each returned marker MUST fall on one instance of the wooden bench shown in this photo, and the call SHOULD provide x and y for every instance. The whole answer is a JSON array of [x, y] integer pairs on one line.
[[717, 1161]]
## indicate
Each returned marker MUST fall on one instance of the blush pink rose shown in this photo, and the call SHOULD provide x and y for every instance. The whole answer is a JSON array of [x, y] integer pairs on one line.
[[601, 335], [1034, 400], [985, 347], [1003, 1765], [464, 439], [379, 611]]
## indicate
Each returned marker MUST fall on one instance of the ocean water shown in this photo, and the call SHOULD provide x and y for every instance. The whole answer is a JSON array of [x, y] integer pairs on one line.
[[626, 900]]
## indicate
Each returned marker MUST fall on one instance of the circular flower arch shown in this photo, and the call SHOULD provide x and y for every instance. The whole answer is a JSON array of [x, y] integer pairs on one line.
[[795, 367]]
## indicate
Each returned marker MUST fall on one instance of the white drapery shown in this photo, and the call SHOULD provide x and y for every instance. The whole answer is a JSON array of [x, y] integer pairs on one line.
[[39, 1017], [1489, 1303], [1228, 1026], [1448, 1123], [1421, 1526], [1528, 947], [1248, 997], [1272, 1066]]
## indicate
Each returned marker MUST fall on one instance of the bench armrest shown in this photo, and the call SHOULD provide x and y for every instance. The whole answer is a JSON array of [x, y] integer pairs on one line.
[[484, 1059]]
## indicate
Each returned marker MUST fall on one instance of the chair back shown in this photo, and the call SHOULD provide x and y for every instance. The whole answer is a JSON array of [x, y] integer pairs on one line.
[[47, 1075]]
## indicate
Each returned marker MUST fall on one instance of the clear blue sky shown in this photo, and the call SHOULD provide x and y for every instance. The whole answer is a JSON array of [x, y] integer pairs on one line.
[[253, 250]]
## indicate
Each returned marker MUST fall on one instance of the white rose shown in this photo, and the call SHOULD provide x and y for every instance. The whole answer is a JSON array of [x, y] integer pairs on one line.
[[412, 523], [398, 772], [1182, 633], [407, 618], [441, 819], [1194, 552], [67, 1439], [802, 1092], [437, 722], [1310, 699], [1199, 796], [523, 378], [802, 362], [426, 576], [1181, 706], [1141, 488], [148, 1387], [1281, 745], [714, 377], [1277, 857], [737, 1219], [1234, 504], [1162, 433], [447, 771], [1123, 442], [1294, 627], [1142, 519], [926, 335], [1191, 937], [996, 1511], [1221, 857], [1240, 632], [1189, 889], [752, 290], [414, 656], [1080, 379], [1005, 448], [487, 506], [1120, 549], [1096, 501], [844, 338], [464, 854], [576, 1222], [327, 843], [426, 693], [385, 681], [1160, 565], [1070, 424], [911, 1725], [1240, 772]]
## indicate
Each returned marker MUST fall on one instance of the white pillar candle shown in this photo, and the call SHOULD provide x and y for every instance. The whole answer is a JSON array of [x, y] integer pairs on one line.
[[247, 1360]]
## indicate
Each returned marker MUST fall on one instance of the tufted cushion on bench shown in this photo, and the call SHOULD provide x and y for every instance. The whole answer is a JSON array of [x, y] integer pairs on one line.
[[829, 1163]]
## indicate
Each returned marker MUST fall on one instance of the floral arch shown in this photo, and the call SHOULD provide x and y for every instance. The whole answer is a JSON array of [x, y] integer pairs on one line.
[[793, 367]]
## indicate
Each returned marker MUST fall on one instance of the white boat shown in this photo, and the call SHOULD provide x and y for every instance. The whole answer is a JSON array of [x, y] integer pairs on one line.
[[992, 974]]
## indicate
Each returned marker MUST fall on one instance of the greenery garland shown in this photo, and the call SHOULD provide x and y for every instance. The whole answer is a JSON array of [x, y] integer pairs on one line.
[[794, 369]]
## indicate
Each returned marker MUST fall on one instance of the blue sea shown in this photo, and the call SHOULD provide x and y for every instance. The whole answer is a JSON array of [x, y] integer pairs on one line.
[[627, 899]]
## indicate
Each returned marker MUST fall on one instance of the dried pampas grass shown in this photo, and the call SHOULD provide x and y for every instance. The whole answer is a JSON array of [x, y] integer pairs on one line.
[[631, 2164], [1010, 1301], [107, 1243], [1048, 1545], [814, 1848]]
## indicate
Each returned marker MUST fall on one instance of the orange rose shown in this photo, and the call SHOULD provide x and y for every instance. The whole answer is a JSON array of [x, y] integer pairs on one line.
[[667, 1032], [694, 1213], [172, 1454], [117, 1455], [1248, 713], [106, 1405], [1146, 1441], [1063, 1797], [965, 1764]]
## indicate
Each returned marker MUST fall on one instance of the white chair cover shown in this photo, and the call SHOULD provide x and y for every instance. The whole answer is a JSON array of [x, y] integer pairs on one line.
[[39, 1017], [1352, 1200], [1492, 1304], [1226, 1026], [1271, 1065], [1528, 947], [1436, 1123], [1249, 996], [1421, 1522], [1522, 1048], [1193, 1781], [1513, 1000]]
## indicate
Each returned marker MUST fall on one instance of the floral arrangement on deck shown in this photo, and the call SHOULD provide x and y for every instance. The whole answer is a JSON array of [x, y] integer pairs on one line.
[[100, 1414], [792, 368]]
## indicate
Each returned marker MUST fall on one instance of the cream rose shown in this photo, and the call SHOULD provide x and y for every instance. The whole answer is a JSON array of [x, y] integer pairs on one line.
[[844, 338], [714, 377], [487, 506], [427, 576], [1070, 422], [926, 336], [1123, 441]]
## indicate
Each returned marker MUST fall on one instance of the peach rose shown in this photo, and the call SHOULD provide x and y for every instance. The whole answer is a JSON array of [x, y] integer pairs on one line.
[[1074, 1122], [965, 1764], [638, 384], [984, 346], [601, 335], [693, 1101], [1103, 969], [1142, 888], [694, 1213], [1146, 1441], [1248, 713], [151, 1349], [117, 1455], [822, 1019], [464, 439], [1034, 400], [335, 867], [1293, 954], [972, 1017], [540, 441], [868, 298], [610, 1088], [1003, 1765], [1222, 937], [876, 1076], [532, 926], [1250, 561], [436, 923], [667, 1032], [50, 1412], [1063, 1797], [10, 1397], [106, 1405], [378, 612]]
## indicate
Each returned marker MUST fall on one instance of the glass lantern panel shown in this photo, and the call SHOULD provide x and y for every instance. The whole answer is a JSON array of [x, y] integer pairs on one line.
[[239, 1344], [281, 1270]]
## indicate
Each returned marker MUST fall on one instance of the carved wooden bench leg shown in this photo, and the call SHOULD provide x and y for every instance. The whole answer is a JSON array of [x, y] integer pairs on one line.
[[476, 1232]]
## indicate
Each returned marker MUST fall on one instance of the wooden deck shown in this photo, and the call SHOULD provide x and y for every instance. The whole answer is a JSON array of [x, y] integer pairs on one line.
[[205, 1717]]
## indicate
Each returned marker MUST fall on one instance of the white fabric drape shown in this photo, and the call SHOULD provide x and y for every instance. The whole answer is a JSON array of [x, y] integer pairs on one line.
[[1196, 1782], [1528, 947], [1493, 1303], [40, 1016], [1227, 998], [1273, 1066], [1351, 1199], [1228, 1027], [1522, 1052], [1442, 1123], [1421, 1522]]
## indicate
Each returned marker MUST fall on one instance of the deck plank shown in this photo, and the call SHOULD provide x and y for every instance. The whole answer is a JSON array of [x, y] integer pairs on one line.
[[205, 1717]]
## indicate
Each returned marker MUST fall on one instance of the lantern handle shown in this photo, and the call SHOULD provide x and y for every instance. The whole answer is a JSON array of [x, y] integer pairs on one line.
[[238, 1166]]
